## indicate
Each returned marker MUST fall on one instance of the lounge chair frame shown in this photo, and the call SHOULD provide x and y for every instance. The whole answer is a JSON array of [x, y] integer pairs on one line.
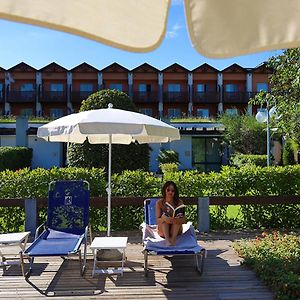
[[76, 238], [150, 219]]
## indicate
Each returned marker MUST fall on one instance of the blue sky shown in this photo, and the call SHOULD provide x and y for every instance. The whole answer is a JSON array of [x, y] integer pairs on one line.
[[39, 46]]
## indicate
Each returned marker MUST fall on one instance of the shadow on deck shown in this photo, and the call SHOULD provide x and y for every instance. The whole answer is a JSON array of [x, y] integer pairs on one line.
[[168, 278]]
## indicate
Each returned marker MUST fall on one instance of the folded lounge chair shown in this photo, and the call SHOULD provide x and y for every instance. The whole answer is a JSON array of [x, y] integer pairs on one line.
[[66, 228], [186, 243]]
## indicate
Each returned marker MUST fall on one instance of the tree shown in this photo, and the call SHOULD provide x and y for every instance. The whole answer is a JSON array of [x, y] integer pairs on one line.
[[130, 157], [244, 134], [284, 92]]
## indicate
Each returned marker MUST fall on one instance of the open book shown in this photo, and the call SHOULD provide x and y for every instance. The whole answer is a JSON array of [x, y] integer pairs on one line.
[[172, 212]]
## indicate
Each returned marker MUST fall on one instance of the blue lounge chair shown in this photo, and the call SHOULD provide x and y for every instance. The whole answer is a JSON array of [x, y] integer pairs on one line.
[[155, 245], [66, 228]]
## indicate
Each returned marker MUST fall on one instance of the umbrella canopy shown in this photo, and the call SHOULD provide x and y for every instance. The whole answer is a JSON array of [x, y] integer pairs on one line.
[[217, 28], [108, 126]]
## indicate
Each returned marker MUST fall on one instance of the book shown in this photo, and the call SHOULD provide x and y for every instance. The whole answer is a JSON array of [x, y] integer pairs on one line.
[[172, 212]]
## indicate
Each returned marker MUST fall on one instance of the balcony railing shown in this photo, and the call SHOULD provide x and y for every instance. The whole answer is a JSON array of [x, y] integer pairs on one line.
[[175, 97], [237, 97], [53, 96], [78, 96], [145, 97], [206, 97], [1, 95], [21, 96]]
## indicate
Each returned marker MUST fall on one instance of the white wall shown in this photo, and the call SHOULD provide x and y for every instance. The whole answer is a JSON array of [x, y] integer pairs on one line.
[[183, 147], [45, 154]]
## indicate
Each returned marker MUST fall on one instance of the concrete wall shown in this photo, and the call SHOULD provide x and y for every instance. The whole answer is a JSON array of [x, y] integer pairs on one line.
[[45, 154], [183, 147]]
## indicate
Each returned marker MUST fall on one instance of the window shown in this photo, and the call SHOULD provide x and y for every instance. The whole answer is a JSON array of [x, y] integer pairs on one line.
[[26, 112], [231, 111], [1, 90], [56, 87], [231, 87], [26, 87], [206, 153], [202, 88], [116, 86], [143, 87], [174, 113], [203, 112], [56, 112], [86, 87], [262, 86], [173, 87], [146, 111]]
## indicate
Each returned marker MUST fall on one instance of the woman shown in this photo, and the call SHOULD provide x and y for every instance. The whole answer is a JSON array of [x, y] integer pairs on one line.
[[169, 227]]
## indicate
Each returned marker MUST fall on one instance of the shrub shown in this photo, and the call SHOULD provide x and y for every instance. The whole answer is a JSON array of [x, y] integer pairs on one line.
[[124, 157], [231, 181], [276, 259], [240, 160], [168, 156], [168, 167], [288, 157], [244, 134], [14, 158]]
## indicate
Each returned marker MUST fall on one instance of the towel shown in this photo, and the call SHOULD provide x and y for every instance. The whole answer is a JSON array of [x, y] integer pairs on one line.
[[185, 243]]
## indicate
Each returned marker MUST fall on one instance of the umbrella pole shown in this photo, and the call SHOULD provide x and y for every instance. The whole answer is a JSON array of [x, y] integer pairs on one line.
[[109, 186]]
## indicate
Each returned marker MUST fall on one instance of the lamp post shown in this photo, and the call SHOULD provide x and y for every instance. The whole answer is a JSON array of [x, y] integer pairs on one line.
[[262, 117]]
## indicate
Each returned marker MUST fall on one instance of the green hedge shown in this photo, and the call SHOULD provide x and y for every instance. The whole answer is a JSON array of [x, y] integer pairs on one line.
[[229, 181], [14, 158], [240, 160]]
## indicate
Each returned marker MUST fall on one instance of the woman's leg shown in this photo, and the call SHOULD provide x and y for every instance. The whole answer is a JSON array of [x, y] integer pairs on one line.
[[165, 228], [176, 229]]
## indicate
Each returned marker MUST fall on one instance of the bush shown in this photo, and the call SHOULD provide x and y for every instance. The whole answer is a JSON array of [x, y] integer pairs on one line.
[[276, 259], [167, 168], [124, 157], [288, 157], [240, 160], [244, 134], [168, 156], [14, 158], [231, 181]]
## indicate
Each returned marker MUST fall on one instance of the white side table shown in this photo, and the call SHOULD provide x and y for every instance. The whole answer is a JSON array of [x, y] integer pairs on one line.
[[118, 243], [20, 239]]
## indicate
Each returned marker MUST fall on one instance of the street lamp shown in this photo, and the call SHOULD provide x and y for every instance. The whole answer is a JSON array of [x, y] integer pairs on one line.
[[263, 116]]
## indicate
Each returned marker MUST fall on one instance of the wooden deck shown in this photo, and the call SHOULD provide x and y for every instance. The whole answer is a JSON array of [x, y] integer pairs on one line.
[[174, 278]]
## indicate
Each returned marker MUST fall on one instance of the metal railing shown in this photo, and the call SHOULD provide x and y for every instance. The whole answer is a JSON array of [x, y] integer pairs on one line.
[[21, 96]]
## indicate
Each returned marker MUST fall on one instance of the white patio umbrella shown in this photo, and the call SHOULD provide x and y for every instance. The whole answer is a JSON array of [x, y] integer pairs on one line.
[[108, 126], [217, 28]]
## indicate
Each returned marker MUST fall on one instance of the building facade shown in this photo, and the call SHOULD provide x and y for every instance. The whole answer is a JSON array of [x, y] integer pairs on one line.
[[54, 91], [175, 91]]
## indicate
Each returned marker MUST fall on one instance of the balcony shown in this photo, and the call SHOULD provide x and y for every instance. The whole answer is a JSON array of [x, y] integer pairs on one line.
[[145, 97], [206, 97], [237, 97], [1, 96], [79, 96], [21, 96], [53, 96], [175, 97]]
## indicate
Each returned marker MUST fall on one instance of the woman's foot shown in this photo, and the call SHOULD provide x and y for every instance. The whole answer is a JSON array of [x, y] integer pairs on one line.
[[173, 242], [168, 243]]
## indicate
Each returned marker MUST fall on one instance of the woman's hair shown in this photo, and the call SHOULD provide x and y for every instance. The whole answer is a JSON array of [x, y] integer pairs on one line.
[[176, 194]]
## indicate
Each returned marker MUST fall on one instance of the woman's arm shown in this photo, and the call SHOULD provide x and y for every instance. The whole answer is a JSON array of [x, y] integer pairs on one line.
[[161, 218]]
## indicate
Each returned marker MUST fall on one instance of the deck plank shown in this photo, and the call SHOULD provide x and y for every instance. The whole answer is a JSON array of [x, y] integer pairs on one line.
[[223, 277]]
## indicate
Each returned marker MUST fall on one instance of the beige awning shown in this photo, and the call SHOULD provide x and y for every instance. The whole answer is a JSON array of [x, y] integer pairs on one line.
[[218, 28]]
